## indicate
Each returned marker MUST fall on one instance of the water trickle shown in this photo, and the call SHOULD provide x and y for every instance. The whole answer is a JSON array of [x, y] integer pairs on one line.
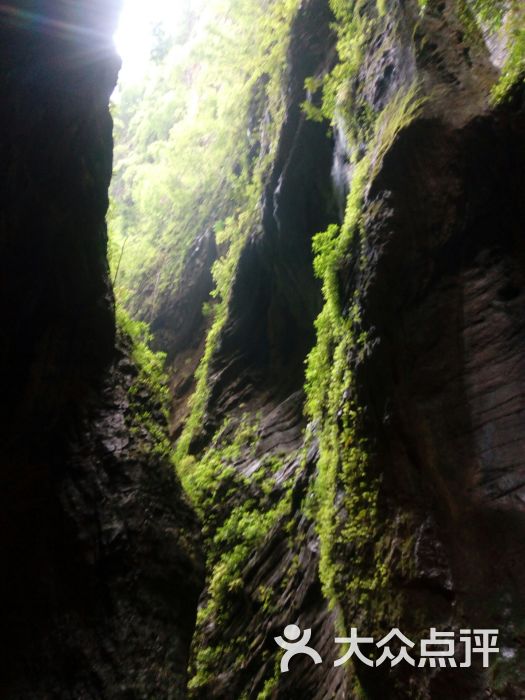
[[340, 171]]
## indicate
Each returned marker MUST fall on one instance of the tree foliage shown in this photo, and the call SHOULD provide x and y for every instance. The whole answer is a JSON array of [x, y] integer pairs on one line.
[[188, 139]]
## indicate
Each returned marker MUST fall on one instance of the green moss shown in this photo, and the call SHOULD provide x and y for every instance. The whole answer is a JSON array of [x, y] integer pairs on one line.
[[209, 659], [185, 139], [506, 19], [238, 513], [345, 497], [355, 30], [381, 7], [148, 393], [489, 13], [513, 70], [271, 684], [233, 231]]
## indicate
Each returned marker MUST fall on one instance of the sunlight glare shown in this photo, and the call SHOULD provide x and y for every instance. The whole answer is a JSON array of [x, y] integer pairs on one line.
[[134, 35]]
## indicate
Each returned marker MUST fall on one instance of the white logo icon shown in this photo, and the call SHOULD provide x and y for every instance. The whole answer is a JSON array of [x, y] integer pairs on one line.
[[294, 645]]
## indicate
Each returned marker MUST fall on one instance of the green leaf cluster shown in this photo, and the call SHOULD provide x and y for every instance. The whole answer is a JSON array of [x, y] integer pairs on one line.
[[189, 141]]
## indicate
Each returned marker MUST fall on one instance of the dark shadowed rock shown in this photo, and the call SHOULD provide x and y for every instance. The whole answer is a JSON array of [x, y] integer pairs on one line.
[[99, 549]]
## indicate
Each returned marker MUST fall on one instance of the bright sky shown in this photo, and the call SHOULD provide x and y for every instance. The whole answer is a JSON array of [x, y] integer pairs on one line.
[[134, 36]]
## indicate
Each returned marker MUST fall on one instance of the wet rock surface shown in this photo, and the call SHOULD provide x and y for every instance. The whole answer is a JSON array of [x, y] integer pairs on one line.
[[101, 554], [101, 565], [438, 277], [442, 385], [112, 612]]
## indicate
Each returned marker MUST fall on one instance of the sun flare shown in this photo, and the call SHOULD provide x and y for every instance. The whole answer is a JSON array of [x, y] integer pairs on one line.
[[135, 32]]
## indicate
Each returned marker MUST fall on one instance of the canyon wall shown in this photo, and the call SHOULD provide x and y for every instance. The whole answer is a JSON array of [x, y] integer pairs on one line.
[[391, 493], [101, 563], [356, 457]]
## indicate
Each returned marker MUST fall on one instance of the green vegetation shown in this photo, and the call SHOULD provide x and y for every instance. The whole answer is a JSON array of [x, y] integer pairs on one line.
[[232, 232], [505, 19], [513, 26], [271, 684], [148, 393], [343, 462], [192, 156], [354, 30], [238, 514], [187, 158], [345, 499], [203, 169], [222, 84]]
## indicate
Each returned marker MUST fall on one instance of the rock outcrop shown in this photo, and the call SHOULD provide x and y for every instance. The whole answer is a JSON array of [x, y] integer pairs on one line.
[[403, 500], [382, 489], [101, 563]]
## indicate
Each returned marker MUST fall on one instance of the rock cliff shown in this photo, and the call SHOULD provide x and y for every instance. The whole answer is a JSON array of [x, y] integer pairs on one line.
[[101, 563], [353, 441], [400, 505]]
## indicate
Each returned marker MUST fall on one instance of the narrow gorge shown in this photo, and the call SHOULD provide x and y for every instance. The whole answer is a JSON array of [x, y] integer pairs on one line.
[[263, 349]]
